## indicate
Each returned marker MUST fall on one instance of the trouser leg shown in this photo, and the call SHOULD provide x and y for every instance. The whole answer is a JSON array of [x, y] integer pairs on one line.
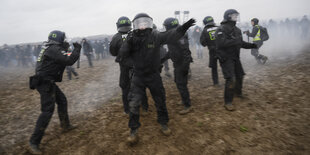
[[47, 95], [181, 79], [137, 89], [213, 65], [90, 63], [62, 107], [157, 90], [124, 83]]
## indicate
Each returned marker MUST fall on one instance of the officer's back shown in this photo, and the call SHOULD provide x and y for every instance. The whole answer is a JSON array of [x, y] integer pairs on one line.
[[53, 58]]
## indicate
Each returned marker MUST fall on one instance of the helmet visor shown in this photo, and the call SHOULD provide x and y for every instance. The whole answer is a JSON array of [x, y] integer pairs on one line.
[[142, 23], [234, 17]]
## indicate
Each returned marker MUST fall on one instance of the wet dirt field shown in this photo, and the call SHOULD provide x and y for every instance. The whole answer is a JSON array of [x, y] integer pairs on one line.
[[274, 118]]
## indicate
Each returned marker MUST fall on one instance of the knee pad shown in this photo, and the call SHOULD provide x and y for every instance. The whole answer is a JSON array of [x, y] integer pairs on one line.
[[231, 82], [134, 105]]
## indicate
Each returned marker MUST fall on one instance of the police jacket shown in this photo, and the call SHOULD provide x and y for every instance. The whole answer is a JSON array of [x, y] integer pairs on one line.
[[179, 51], [53, 59], [229, 41], [207, 37], [117, 40], [144, 49]]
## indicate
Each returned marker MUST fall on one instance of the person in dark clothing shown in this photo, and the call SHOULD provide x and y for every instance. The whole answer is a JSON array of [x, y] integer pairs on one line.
[[126, 65], [228, 42], [28, 56], [181, 57], [101, 49], [207, 38], [106, 47], [19, 55], [88, 51], [96, 46], [6, 55], [143, 47], [261, 59], [37, 50], [50, 66]]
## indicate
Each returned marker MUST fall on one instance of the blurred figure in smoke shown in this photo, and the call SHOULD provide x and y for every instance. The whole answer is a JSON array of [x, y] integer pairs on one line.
[[181, 57], [126, 65], [50, 66], [143, 47], [19, 55], [228, 42], [28, 56], [272, 26], [256, 34], [37, 50], [207, 38], [101, 49], [5, 55], [305, 25], [106, 45], [196, 40], [70, 71], [88, 51]]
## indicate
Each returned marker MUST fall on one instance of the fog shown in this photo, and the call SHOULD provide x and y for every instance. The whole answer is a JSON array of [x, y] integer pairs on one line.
[[25, 21]]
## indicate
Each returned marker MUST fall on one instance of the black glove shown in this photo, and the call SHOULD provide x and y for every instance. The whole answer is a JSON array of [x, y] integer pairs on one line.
[[246, 32], [65, 45], [253, 46], [129, 38], [77, 45], [188, 24]]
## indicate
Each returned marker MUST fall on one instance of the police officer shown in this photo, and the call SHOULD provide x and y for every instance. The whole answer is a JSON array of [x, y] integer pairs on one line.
[[261, 59], [51, 64], [207, 38], [126, 65], [143, 46], [88, 51], [181, 57], [228, 42]]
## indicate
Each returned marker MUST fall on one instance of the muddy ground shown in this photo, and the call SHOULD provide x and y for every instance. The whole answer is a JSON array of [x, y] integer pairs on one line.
[[274, 118]]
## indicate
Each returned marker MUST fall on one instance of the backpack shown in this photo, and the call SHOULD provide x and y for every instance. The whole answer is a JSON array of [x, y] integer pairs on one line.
[[264, 36]]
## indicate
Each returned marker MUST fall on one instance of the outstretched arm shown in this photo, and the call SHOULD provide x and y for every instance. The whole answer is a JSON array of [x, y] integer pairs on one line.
[[61, 56], [175, 34]]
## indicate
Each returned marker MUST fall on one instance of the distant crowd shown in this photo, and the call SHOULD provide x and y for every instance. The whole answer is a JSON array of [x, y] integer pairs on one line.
[[25, 55]]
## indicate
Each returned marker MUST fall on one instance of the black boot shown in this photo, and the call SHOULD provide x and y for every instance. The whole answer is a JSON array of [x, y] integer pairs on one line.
[[133, 137], [165, 130], [229, 106], [68, 128], [34, 148]]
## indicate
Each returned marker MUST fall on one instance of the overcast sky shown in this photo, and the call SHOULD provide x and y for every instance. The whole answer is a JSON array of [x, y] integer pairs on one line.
[[31, 20]]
